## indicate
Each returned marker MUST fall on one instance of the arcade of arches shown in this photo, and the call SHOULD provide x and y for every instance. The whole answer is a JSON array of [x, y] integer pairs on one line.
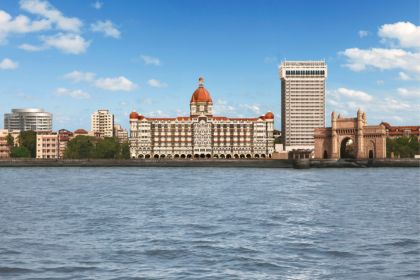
[[350, 138]]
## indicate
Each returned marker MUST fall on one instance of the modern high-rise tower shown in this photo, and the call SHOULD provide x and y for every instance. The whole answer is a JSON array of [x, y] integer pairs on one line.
[[302, 102]]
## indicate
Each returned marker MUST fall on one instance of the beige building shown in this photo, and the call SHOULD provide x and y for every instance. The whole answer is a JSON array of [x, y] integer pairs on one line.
[[47, 145], [350, 138], [4, 147], [102, 122], [201, 135], [302, 102], [120, 133]]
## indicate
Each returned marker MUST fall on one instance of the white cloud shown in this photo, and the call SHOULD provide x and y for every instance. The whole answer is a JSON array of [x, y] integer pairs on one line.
[[67, 43], [77, 76], [20, 24], [409, 92], [156, 83], [383, 59], [31, 48], [97, 4], [403, 76], [45, 9], [77, 94], [363, 33], [221, 107], [8, 64], [406, 33], [251, 107], [150, 60], [115, 84], [354, 94], [107, 28]]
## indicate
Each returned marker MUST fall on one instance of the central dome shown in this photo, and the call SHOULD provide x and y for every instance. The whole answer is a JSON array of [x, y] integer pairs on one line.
[[201, 94]]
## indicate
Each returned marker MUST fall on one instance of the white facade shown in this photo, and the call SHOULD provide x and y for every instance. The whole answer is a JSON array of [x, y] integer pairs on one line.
[[201, 135], [302, 101], [28, 119], [102, 121]]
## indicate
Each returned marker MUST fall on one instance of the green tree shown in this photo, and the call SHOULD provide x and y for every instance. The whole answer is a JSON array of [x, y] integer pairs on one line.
[[20, 152], [28, 139], [109, 147], [80, 147], [10, 140], [125, 150], [403, 147]]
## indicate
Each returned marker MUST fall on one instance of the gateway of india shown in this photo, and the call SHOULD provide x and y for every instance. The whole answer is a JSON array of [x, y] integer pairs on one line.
[[201, 135]]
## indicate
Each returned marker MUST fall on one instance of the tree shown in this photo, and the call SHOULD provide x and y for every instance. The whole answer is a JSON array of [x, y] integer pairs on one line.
[[125, 150], [28, 139], [20, 152], [109, 147], [403, 147], [10, 140], [80, 147]]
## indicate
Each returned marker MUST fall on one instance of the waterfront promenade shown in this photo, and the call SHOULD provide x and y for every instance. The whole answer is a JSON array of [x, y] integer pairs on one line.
[[245, 163]]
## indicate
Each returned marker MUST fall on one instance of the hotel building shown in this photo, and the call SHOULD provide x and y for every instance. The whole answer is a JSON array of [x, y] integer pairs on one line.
[[28, 119], [103, 123], [201, 135], [302, 102]]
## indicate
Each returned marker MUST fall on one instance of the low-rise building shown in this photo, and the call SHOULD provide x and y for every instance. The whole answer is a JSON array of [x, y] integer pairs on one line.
[[400, 131], [120, 133], [47, 145]]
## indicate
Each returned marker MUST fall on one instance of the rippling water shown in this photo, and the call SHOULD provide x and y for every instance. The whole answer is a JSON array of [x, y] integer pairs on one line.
[[209, 223]]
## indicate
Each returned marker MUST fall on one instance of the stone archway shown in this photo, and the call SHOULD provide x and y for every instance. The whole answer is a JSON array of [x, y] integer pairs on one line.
[[347, 148], [371, 151], [325, 155]]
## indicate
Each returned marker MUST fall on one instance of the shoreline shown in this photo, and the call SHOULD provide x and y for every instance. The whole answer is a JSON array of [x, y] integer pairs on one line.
[[243, 163]]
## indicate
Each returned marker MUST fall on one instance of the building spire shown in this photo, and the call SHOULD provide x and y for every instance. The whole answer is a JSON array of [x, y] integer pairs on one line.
[[201, 81]]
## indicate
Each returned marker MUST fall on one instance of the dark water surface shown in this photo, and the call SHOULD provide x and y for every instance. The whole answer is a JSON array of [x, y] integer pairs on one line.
[[209, 223]]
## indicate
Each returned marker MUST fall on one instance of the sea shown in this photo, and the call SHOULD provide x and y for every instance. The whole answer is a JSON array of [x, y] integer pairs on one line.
[[209, 223]]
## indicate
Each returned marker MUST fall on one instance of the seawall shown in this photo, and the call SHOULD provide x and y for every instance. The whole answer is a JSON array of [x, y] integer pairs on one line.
[[243, 163]]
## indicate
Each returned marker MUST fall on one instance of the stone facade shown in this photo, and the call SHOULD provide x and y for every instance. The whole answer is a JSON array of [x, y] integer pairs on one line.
[[201, 135], [366, 141]]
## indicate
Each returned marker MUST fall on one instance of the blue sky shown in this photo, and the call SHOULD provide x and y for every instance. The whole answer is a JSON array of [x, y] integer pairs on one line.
[[74, 57]]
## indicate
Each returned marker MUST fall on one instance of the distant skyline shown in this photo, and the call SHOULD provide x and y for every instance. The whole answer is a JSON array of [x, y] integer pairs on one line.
[[72, 58]]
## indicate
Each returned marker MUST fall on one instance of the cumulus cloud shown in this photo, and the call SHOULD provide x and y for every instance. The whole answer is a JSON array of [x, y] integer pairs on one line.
[[77, 94], [46, 10], [77, 76], [383, 59], [67, 43], [354, 94], [107, 28], [19, 24], [409, 92], [406, 34], [222, 107], [120, 83], [150, 60], [363, 33], [97, 4], [156, 83], [8, 64]]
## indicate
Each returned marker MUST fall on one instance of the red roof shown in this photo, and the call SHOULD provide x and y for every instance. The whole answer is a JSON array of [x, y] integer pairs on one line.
[[269, 115], [201, 95], [133, 115], [80, 131]]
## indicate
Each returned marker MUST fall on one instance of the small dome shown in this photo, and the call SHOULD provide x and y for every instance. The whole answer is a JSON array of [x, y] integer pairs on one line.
[[134, 115], [80, 131], [201, 94], [269, 115], [140, 117]]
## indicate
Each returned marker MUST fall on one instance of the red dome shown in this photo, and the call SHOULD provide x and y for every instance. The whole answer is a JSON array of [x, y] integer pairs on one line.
[[201, 94], [140, 117], [269, 115], [133, 115], [81, 131]]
